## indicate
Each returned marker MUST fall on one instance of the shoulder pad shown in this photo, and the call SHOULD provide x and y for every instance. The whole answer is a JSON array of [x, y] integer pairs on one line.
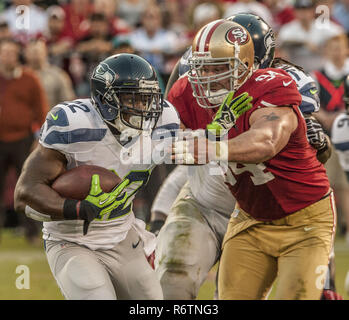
[[270, 79], [273, 87], [69, 124], [306, 87]]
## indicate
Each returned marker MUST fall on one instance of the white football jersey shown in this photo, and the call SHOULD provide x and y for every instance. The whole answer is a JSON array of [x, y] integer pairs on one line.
[[77, 130], [340, 139], [207, 185]]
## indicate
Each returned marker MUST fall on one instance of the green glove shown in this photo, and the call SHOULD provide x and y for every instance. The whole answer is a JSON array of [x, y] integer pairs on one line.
[[96, 204], [229, 111]]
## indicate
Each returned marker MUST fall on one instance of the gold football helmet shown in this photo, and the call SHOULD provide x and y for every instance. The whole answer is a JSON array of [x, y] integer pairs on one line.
[[223, 57]]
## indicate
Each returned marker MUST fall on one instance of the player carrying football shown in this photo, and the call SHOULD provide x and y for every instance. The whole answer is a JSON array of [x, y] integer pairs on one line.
[[96, 248]]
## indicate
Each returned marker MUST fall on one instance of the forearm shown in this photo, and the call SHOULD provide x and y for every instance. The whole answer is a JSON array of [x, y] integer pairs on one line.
[[252, 147], [41, 198]]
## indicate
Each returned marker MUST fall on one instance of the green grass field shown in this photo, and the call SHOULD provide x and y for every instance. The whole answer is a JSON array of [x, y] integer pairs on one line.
[[15, 251]]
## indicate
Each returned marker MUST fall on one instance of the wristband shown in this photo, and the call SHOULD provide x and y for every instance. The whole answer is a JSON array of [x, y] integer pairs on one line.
[[71, 209], [213, 135]]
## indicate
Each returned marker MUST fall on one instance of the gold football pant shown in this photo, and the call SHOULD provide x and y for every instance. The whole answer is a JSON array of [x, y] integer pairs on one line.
[[295, 249]]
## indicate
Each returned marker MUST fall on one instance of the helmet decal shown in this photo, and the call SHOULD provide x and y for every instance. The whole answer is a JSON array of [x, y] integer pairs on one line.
[[104, 74], [269, 40], [237, 34]]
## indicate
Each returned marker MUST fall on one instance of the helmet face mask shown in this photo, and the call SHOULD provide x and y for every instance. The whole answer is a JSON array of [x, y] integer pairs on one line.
[[221, 62], [210, 90], [127, 95]]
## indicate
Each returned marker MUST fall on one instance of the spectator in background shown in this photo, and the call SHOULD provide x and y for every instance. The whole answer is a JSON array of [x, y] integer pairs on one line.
[[97, 44], [249, 6], [282, 12], [59, 46], [5, 32], [77, 13], [108, 9], [25, 20], [122, 45], [330, 83], [23, 108], [93, 48], [302, 39], [341, 13], [201, 14], [153, 42], [131, 10], [55, 81], [330, 80]]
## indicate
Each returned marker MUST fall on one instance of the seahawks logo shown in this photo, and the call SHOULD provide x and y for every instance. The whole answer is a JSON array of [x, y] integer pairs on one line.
[[104, 74], [237, 34], [269, 40]]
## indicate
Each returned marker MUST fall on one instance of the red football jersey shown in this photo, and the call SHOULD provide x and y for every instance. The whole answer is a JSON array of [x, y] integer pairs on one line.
[[191, 114], [293, 179]]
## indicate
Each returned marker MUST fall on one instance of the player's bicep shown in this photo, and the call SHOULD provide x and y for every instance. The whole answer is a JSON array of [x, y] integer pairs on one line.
[[44, 165]]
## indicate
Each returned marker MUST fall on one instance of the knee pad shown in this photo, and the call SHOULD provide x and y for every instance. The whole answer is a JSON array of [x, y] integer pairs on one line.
[[82, 277], [177, 283]]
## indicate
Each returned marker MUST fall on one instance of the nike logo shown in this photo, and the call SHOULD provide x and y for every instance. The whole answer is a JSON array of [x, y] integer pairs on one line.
[[103, 202], [134, 246], [54, 117], [306, 229], [313, 91], [286, 83]]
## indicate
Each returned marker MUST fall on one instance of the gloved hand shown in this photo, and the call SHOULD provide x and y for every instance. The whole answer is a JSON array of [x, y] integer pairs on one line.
[[315, 133], [96, 204], [229, 111]]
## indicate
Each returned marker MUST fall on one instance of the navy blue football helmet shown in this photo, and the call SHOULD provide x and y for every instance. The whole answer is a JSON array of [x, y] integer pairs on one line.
[[126, 92], [262, 36]]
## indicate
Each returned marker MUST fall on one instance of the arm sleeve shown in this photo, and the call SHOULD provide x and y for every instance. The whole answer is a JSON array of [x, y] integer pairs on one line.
[[170, 189]]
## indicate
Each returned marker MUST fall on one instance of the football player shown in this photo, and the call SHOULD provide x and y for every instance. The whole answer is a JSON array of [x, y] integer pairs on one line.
[[284, 220], [340, 137], [96, 248], [213, 204]]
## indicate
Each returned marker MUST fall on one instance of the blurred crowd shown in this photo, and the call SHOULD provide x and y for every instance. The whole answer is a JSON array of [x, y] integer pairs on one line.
[[57, 43]]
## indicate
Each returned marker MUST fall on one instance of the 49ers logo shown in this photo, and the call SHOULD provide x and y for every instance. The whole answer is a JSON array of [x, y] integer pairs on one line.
[[237, 34]]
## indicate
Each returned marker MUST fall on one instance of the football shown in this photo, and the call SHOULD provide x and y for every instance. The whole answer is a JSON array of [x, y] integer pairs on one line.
[[76, 183]]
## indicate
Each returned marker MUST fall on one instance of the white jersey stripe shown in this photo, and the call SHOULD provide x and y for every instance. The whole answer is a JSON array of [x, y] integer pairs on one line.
[[207, 34]]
